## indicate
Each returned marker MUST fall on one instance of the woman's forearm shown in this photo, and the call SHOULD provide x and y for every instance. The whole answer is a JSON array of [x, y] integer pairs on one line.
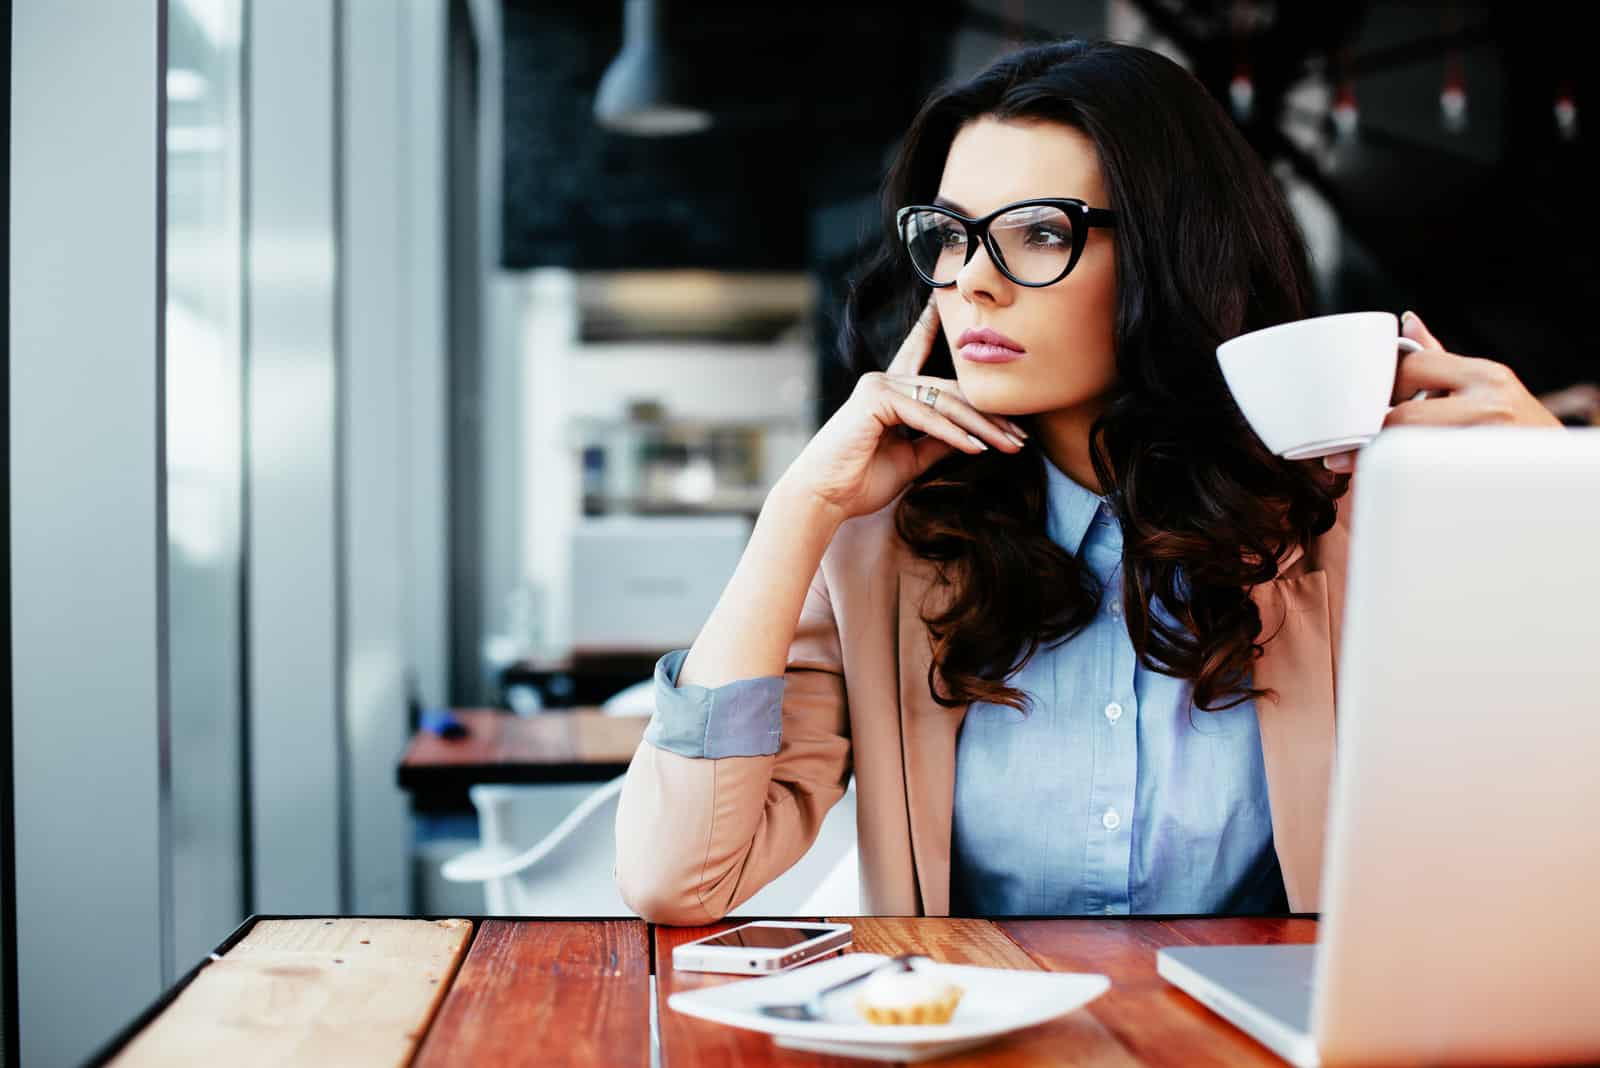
[[749, 632]]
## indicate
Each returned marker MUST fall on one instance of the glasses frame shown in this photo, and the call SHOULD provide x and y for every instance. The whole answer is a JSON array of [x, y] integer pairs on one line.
[[1083, 219]]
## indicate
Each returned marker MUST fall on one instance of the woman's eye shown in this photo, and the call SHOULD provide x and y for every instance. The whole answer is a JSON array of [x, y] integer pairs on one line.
[[1048, 237], [952, 238]]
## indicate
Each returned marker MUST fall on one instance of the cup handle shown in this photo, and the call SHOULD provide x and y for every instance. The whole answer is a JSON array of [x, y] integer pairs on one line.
[[1407, 346]]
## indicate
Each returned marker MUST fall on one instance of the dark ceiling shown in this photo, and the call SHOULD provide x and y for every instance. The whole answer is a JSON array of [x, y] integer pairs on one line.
[[807, 99], [1488, 231]]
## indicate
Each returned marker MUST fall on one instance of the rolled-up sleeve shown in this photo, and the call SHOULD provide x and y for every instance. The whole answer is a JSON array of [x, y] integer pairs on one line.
[[696, 838], [739, 718]]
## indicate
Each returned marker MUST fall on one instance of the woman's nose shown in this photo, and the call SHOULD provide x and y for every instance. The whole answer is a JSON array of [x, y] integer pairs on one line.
[[980, 281]]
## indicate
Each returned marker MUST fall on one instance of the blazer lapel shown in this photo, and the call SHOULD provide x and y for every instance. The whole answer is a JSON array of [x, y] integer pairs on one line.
[[928, 732]]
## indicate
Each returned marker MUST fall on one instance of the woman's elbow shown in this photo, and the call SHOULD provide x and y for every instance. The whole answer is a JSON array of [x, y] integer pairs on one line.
[[660, 861], [661, 900]]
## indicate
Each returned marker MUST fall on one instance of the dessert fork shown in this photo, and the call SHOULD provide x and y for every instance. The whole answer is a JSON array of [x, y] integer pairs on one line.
[[811, 1008]]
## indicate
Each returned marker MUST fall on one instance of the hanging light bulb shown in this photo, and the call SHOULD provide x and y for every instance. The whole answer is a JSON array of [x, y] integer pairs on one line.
[[1242, 92], [1345, 115], [645, 91], [1453, 97], [1566, 112]]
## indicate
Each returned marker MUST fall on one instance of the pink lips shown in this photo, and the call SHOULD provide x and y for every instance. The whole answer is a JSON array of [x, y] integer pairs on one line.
[[988, 346]]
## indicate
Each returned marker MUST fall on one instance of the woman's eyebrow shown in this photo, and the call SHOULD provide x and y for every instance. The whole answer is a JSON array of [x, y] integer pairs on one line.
[[946, 202]]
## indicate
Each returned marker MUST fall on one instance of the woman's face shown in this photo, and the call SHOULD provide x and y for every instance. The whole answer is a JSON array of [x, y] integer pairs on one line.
[[1065, 329]]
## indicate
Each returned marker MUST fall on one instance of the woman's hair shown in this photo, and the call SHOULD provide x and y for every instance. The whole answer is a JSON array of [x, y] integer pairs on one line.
[[1206, 249]]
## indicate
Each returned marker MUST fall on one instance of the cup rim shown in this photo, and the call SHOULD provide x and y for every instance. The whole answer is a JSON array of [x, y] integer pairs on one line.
[[1289, 326]]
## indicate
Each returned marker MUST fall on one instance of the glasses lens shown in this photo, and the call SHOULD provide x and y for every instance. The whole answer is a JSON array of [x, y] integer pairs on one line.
[[937, 243], [1035, 242]]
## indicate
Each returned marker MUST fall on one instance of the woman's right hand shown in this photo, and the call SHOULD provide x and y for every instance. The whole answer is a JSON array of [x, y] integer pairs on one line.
[[857, 463]]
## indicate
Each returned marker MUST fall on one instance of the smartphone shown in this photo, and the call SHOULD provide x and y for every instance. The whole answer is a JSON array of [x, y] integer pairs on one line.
[[761, 946]]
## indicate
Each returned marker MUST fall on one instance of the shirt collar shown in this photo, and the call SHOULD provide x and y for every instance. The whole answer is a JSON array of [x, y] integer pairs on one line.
[[1072, 508]]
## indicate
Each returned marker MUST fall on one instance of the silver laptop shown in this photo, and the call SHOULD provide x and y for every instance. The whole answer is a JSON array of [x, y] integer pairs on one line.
[[1461, 884]]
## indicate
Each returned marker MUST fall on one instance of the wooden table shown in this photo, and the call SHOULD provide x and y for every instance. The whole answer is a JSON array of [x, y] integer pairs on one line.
[[579, 745], [431, 992]]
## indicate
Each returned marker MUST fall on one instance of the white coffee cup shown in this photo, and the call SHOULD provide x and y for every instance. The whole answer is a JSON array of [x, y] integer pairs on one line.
[[1316, 386]]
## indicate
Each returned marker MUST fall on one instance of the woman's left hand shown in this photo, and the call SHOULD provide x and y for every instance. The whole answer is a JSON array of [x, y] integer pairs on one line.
[[1467, 392]]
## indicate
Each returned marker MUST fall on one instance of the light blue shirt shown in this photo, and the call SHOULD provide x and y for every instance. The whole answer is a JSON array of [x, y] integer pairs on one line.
[[739, 718], [1113, 795]]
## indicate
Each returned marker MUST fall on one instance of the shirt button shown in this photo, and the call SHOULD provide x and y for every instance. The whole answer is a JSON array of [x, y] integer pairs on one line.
[[1111, 821], [1113, 711], [1115, 608]]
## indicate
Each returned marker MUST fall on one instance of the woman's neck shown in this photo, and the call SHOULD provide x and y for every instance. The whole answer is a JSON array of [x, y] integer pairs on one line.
[[1063, 434]]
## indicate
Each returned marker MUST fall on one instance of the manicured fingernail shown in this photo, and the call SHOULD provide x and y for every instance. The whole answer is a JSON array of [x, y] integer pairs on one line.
[[1021, 433], [1014, 440], [1338, 462], [1405, 318], [980, 444]]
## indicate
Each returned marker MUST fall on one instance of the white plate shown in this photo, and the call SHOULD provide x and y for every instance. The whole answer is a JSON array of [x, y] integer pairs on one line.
[[996, 1002]]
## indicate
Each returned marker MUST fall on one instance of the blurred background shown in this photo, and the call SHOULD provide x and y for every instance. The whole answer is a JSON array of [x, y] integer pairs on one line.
[[391, 381]]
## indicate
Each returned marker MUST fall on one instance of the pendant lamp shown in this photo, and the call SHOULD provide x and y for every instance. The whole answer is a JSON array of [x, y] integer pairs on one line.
[[646, 90]]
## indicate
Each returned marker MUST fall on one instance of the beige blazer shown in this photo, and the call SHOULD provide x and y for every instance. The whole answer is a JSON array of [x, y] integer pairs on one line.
[[698, 837]]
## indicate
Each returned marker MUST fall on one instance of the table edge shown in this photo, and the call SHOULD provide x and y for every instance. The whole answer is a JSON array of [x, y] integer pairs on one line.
[[117, 1042]]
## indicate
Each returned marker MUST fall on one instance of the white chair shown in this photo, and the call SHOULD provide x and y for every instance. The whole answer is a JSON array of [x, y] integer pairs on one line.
[[509, 817], [636, 700], [567, 872]]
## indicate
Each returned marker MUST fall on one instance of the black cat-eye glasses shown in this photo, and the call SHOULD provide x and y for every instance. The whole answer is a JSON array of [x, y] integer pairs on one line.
[[1033, 242]]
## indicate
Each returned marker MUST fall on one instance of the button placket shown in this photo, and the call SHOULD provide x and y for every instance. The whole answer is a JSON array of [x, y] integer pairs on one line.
[[1117, 814]]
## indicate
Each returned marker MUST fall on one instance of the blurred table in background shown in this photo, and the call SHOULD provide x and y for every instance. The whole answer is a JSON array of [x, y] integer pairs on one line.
[[570, 745]]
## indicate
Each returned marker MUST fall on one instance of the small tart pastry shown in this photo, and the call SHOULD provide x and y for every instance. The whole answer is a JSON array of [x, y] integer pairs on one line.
[[904, 995]]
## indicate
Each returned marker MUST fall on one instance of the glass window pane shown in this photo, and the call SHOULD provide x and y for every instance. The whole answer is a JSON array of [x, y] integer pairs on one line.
[[204, 437]]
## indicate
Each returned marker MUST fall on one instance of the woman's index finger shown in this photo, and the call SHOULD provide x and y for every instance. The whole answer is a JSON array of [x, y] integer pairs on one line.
[[918, 343], [1433, 369]]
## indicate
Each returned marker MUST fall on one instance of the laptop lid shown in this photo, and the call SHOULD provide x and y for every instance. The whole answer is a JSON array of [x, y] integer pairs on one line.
[[1461, 895]]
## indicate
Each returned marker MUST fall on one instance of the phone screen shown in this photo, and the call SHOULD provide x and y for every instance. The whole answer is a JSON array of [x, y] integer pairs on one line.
[[766, 937]]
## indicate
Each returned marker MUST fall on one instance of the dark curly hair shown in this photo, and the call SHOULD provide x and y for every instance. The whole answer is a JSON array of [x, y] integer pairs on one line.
[[1206, 249]]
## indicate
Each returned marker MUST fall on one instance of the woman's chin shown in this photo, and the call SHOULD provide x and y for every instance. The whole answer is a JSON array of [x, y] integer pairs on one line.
[[999, 398], [1013, 395]]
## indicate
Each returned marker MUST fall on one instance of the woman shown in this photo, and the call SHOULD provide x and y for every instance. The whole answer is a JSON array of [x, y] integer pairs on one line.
[[1070, 625]]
